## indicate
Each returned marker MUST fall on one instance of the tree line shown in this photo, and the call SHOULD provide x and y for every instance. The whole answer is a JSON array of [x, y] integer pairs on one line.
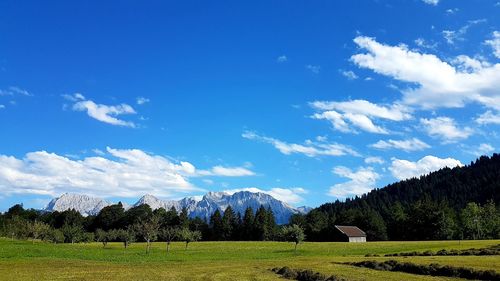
[[458, 203], [141, 224]]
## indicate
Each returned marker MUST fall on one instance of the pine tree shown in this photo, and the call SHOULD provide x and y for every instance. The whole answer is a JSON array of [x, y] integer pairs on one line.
[[216, 226], [261, 224], [228, 224], [248, 228]]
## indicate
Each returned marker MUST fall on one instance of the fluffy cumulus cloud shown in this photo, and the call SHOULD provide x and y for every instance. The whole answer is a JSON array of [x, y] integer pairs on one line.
[[360, 181], [445, 129], [309, 148], [404, 169], [358, 114], [104, 113], [409, 145], [433, 82], [120, 172], [288, 195]]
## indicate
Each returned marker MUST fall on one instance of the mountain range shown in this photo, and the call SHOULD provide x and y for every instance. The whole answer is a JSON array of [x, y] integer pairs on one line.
[[202, 208]]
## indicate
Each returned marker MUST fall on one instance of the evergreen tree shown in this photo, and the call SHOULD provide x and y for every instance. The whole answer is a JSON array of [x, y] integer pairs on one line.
[[183, 218], [110, 217], [248, 228], [261, 224], [228, 224], [216, 226]]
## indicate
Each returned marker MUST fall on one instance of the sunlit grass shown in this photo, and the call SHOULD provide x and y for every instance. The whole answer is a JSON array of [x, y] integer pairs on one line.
[[22, 260]]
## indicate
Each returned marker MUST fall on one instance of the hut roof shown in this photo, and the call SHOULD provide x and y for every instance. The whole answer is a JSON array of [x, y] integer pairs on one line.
[[351, 231]]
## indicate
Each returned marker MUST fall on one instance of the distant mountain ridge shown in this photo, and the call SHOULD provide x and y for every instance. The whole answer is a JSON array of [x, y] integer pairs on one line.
[[203, 208]]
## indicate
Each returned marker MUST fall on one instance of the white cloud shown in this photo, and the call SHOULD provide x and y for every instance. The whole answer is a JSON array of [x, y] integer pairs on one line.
[[494, 42], [133, 173], [482, 149], [413, 144], [98, 151], [445, 128], [422, 43], [436, 83], [431, 2], [488, 118], [349, 74], [404, 169], [287, 195], [364, 123], [313, 68], [101, 112], [2, 106], [142, 100], [361, 181], [310, 148], [393, 112], [282, 59], [13, 90], [374, 160], [335, 118], [358, 114], [451, 36], [120, 173], [227, 172]]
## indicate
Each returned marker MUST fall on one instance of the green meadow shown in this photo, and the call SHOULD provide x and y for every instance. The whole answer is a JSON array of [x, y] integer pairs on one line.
[[25, 260]]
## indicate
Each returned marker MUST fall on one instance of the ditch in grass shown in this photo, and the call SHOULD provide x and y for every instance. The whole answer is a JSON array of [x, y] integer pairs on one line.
[[432, 269], [304, 275]]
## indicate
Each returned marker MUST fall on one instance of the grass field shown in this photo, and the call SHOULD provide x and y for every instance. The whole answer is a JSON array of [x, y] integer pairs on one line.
[[23, 260]]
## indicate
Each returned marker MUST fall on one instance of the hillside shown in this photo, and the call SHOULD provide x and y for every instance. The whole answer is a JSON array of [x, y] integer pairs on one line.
[[429, 207]]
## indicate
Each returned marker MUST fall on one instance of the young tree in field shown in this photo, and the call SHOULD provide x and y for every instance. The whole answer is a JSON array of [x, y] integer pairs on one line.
[[148, 230], [104, 236], [293, 233], [126, 236], [168, 234], [38, 230], [72, 233], [55, 236], [188, 236]]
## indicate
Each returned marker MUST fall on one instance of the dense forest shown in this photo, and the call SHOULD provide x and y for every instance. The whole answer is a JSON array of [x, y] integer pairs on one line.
[[458, 203]]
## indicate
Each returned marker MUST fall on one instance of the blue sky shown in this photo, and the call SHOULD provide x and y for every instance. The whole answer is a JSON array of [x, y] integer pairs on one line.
[[310, 101]]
